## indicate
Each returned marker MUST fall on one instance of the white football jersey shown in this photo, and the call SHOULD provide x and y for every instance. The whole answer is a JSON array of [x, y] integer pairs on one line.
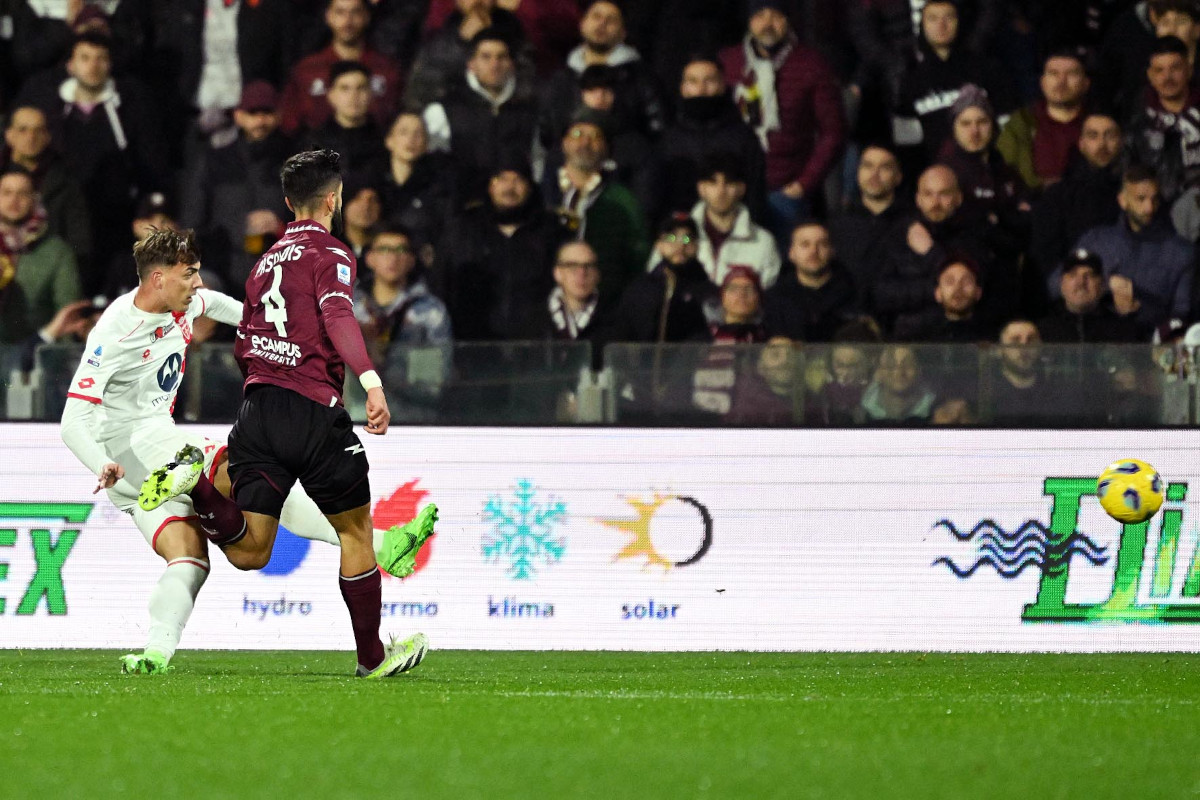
[[133, 365]]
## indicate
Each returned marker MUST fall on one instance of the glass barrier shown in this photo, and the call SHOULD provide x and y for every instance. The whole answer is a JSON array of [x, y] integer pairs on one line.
[[552, 383], [892, 384]]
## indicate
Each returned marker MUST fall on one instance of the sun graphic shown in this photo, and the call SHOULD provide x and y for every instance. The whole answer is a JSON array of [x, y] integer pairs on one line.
[[641, 544]]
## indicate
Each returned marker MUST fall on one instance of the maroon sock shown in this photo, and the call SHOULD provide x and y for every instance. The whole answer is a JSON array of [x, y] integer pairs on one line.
[[220, 518], [363, 595]]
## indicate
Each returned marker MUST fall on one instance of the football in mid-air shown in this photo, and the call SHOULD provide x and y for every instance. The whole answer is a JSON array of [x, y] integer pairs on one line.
[[1130, 490]]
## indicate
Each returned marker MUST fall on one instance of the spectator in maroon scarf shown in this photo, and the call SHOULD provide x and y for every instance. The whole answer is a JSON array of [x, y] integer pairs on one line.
[[1038, 140]]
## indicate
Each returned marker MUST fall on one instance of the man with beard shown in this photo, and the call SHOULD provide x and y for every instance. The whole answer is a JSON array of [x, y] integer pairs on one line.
[[957, 318], [1084, 199], [667, 303], [790, 96], [1164, 134], [595, 207], [708, 123], [1083, 314], [1149, 268], [1021, 391], [231, 195], [493, 267], [859, 233], [919, 245]]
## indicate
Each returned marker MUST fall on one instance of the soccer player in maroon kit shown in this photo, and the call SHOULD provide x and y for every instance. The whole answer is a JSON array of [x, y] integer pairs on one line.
[[298, 333]]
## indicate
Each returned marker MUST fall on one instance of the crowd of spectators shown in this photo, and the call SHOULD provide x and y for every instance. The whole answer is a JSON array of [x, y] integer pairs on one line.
[[837, 172]]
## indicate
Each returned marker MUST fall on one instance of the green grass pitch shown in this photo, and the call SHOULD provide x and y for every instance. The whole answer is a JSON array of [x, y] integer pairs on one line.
[[605, 725]]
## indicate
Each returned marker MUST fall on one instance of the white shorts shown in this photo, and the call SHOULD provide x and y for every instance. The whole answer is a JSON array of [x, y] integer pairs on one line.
[[144, 451]]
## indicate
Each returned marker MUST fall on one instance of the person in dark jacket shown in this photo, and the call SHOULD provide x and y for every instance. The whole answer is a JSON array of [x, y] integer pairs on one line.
[[350, 130], [484, 117], [602, 29], [1084, 199], [860, 232], [493, 267], [940, 68], [667, 303], [109, 135], [707, 123], [919, 245], [231, 194], [1163, 132], [957, 318], [1150, 269], [1083, 314], [417, 189], [303, 103], [442, 59], [811, 302]]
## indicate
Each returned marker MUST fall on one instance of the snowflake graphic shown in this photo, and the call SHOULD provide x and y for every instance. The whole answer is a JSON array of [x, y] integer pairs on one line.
[[524, 531]]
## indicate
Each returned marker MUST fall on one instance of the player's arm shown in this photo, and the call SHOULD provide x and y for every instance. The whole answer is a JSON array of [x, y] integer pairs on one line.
[[77, 425], [84, 396], [220, 307], [333, 282]]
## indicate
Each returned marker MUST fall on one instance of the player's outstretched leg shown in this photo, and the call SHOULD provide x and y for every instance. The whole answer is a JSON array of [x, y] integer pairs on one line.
[[174, 478], [399, 656], [220, 518], [401, 543]]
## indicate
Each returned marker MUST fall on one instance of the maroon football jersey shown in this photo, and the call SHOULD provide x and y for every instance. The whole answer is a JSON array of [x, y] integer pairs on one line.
[[283, 339]]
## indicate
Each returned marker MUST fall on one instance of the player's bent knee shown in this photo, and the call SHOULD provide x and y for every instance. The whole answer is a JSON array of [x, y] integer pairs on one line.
[[248, 560]]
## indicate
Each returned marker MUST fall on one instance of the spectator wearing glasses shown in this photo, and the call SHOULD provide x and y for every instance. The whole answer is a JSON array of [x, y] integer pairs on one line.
[[575, 299], [667, 303]]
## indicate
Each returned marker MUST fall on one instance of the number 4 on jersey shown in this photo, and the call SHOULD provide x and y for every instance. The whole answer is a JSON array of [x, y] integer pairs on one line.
[[275, 310]]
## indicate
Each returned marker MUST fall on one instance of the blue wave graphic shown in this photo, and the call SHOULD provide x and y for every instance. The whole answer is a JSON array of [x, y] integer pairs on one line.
[[1010, 553], [992, 527]]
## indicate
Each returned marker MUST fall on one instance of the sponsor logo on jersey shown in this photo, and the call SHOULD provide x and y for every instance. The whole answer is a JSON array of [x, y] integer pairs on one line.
[[265, 347], [86, 383], [292, 252], [94, 360], [161, 332], [146, 354], [340, 253], [343, 274], [170, 372]]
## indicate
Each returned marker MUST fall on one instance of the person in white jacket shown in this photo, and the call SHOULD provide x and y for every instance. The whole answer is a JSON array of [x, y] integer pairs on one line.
[[728, 237]]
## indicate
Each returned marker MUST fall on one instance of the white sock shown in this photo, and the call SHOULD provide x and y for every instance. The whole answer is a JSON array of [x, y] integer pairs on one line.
[[301, 516], [172, 600]]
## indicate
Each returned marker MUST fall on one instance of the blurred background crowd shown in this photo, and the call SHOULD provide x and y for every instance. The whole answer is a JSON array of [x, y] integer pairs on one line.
[[842, 173]]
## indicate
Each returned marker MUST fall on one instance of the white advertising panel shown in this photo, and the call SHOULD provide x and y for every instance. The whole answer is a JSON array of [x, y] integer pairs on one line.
[[663, 540]]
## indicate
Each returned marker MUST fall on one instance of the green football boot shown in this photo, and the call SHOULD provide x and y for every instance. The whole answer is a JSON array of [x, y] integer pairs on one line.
[[147, 663], [173, 479], [398, 657], [398, 551]]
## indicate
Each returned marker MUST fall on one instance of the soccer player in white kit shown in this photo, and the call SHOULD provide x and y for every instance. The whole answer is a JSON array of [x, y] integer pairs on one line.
[[117, 419], [118, 423]]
